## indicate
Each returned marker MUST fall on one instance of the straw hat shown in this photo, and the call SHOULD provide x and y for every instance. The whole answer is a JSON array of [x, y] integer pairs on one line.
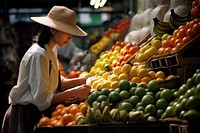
[[61, 18]]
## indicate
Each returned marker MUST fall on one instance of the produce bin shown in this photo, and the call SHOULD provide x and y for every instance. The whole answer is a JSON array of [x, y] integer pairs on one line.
[[182, 63], [133, 127]]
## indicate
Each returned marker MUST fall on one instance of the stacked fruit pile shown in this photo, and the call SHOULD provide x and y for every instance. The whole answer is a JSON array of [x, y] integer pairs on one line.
[[116, 56], [110, 36]]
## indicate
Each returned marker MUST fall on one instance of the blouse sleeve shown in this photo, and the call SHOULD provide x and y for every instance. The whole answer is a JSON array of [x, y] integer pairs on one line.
[[39, 81]]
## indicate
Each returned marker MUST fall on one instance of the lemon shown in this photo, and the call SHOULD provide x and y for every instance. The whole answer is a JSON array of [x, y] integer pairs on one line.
[[123, 76], [133, 71], [117, 48], [105, 75], [117, 70], [113, 78], [142, 72], [99, 86], [152, 74], [160, 74], [106, 84], [146, 79], [114, 84], [135, 79], [126, 68]]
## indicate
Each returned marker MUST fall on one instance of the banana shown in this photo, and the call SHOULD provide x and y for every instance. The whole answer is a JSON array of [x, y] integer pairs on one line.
[[115, 115], [162, 25], [123, 116], [135, 115], [180, 18], [106, 116], [176, 20], [104, 104], [97, 116], [90, 116], [161, 28]]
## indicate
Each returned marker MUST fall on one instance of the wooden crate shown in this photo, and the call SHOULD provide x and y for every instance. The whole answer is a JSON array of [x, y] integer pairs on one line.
[[182, 63]]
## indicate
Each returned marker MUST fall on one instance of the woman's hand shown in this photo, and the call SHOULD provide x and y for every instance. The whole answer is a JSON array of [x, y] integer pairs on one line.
[[81, 91]]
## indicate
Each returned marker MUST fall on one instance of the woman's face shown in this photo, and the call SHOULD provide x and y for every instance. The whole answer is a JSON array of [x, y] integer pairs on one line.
[[62, 38]]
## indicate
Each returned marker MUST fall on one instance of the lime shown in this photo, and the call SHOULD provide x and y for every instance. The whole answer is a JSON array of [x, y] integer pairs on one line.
[[117, 90], [183, 103], [159, 113], [197, 79], [190, 82], [133, 84], [140, 92], [192, 114], [153, 85], [124, 94], [126, 106], [151, 109], [151, 93], [161, 104], [138, 104], [190, 92], [92, 97], [170, 111], [102, 98], [132, 91], [124, 85], [114, 97], [197, 90], [157, 96], [140, 108], [183, 89], [147, 99], [134, 100], [177, 109], [104, 91], [142, 85], [193, 102], [151, 118], [167, 94]]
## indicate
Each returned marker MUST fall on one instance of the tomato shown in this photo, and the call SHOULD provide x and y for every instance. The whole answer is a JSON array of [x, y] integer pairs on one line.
[[195, 11], [196, 29], [190, 33], [185, 40], [181, 33], [177, 41], [117, 43], [166, 43], [179, 45], [173, 39], [161, 50], [194, 3], [123, 44], [128, 45], [127, 56], [167, 50], [134, 49], [174, 50], [125, 52]]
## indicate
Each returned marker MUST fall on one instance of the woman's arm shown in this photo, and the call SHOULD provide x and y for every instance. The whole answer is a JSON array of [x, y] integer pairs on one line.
[[81, 92], [69, 83]]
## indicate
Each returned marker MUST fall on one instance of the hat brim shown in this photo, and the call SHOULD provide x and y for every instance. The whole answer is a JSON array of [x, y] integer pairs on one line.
[[71, 29]]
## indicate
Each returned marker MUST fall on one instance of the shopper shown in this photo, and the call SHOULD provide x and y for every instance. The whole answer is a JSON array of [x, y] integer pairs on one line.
[[39, 79]]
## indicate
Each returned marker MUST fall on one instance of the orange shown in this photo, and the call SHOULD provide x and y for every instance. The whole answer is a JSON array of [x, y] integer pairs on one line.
[[74, 110], [66, 118], [58, 124], [72, 123], [63, 111], [59, 111], [152, 74], [77, 114], [44, 121], [84, 108], [59, 106], [53, 122], [160, 74], [54, 113]]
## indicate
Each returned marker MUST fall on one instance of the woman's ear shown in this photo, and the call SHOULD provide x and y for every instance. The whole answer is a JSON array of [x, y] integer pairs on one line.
[[53, 31]]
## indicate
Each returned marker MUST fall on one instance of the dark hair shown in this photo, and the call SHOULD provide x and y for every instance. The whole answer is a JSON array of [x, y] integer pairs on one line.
[[44, 36]]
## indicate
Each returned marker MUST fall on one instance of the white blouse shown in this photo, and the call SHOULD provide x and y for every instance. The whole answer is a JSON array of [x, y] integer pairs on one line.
[[37, 81]]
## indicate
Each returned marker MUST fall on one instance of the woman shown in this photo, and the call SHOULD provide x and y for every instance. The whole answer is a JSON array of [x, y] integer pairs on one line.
[[39, 78]]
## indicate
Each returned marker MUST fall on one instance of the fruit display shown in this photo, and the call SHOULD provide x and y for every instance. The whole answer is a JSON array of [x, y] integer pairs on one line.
[[160, 27], [111, 35], [195, 11], [147, 50], [116, 56]]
